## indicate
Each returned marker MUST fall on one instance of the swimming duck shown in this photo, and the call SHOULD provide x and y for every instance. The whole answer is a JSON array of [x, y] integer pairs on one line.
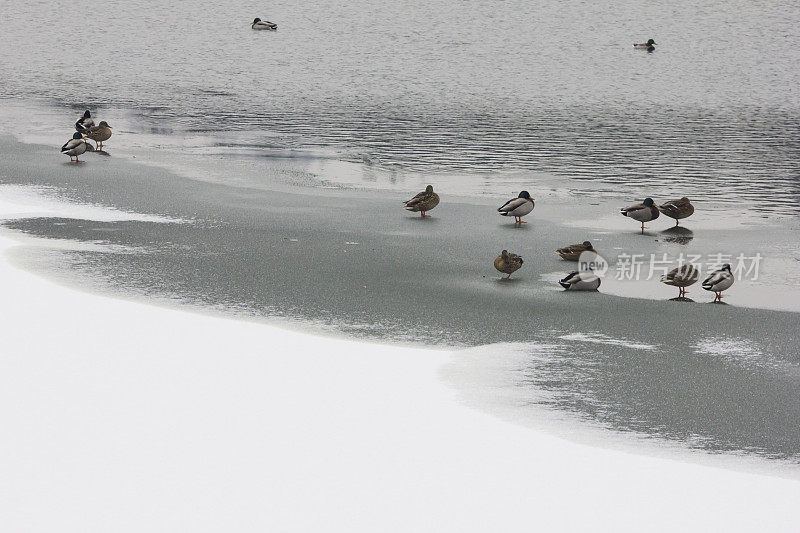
[[517, 207], [581, 281], [99, 134], [677, 209], [681, 277], [643, 212], [574, 251], [423, 202], [507, 263], [259, 24], [74, 147], [649, 45], [84, 123], [718, 281]]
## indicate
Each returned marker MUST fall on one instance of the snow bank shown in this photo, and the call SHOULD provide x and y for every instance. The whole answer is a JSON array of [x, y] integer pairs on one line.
[[119, 416]]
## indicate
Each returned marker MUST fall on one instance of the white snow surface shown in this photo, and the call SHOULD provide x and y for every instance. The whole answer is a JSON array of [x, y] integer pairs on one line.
[[119, 416]]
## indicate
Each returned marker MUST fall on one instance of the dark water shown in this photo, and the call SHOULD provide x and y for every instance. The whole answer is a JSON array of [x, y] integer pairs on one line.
[[453, 88]]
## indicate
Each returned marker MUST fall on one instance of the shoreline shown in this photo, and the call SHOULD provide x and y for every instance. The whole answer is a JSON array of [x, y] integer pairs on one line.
[[435, 290], [452, 371], [217, 423]]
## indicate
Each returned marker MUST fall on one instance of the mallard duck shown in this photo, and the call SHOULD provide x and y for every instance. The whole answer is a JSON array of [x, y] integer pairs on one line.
[[74, 147], [517, 207], [681, 277], [581, 281], [423, 202], [507, 263], [643, 212], [259, 24], [649, 45], [677, 209], [574, 251], [99, 134], [718, 281], [85, 123]]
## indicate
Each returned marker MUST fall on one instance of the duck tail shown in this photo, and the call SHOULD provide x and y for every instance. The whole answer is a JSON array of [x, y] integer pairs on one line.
[[563, 284]]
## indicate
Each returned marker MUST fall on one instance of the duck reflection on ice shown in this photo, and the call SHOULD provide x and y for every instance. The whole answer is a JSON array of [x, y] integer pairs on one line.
[[678, 235]]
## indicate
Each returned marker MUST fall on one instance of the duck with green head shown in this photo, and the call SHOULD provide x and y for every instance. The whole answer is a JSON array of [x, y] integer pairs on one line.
[[643, 212], [644, 46], [74, 147], [259, 24]]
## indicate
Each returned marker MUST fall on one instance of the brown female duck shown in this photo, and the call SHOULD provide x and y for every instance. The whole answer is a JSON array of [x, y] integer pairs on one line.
[[423, 202], [507, 263]]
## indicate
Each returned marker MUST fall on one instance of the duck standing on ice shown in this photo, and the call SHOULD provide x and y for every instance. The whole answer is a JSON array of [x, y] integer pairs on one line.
[[507, 263], [643, 212], [74, 147], [99, 134], [517, 207], [718, 281], [423, 202], [677, 209], [681, 277], [85, 123]]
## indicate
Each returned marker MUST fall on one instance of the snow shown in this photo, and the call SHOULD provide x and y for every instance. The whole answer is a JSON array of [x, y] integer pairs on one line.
[[121, 416]]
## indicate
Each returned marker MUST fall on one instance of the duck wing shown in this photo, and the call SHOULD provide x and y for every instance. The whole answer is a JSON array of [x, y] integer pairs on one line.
[[84, 124], [70, 144], [511, 205], [419, 198], [631, 208], [713, 279]]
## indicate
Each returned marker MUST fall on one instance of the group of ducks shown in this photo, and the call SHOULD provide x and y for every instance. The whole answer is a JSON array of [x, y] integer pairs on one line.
[[586, 280], [86, 129]]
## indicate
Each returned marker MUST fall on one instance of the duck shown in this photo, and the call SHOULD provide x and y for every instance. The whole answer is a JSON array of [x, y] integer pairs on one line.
[[259, 24], [649, 45], [585, 280], [517, 207], [718, 281], [508, 263], [574, 251], [643, 212], [423, 202], [677, 209], [99, 134], [681, 277], [85, 123], [74, 147]]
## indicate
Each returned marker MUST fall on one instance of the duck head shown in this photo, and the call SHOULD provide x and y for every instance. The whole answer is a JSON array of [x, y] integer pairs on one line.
[[255, 21], [86, 114], [587, 244], [651, 42], [504, 253], [104, 124], [727, 267], [77, 135], [525, 194], [429, 188], [648, 202]]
